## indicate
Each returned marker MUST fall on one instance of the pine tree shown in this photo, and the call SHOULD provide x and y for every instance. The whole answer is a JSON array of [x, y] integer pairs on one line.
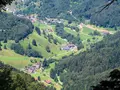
[[34, 42], [39, 78], [56, 79], [0, 48], [5, 47], [0, 44], [48, 49], [38, 30], [52, 73], [5, 40], [29, 46]]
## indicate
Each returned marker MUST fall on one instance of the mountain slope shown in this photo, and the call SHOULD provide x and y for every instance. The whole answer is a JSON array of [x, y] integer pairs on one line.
[[78, 10], [13, 27], [81, 71]]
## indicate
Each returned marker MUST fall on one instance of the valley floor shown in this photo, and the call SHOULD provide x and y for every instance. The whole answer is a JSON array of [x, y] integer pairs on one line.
[[85, 33]]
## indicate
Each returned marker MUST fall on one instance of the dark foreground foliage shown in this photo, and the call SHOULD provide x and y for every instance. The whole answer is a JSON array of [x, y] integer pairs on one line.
[[13, 79], [113, 82]]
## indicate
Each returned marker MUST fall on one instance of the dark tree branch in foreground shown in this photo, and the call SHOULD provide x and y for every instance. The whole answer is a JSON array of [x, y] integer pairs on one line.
[[3, 3], [107, 5], [113, 83]]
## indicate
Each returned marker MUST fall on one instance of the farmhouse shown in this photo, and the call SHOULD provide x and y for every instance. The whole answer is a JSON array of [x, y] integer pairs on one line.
[[104, 32], [48, 81], [33, 68], [37, 65], [81, 25], [54, 20], [69, 46], [36, 79], [48, 30]]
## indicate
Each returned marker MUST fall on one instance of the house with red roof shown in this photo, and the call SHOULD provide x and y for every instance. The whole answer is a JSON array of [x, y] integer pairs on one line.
[[48, 81]]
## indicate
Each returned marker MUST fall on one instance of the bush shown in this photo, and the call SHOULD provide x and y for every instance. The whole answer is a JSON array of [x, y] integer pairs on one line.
[[34, 42], [29, 46], [38, 30], [33, 53], [48, 49], [17, 48], [5, 47]]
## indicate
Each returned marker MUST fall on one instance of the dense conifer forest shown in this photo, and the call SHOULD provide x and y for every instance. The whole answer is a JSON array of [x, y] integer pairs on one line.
[[14, 28]]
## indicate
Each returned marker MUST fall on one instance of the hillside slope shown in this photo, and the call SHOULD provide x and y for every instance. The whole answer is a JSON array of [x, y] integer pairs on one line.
[[13, 79], [86, 69], [13, 27], [78, 10]]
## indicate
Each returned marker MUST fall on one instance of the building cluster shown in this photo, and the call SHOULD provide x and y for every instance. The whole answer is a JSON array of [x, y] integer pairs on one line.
[[54, 20], [105, 32], [69, 47], [33, 68], [81, 25], [49, 30], [32, 18]]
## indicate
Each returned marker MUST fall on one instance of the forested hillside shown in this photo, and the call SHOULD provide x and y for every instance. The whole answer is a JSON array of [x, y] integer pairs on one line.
[[14, 28], [86, 69], [79, 10]]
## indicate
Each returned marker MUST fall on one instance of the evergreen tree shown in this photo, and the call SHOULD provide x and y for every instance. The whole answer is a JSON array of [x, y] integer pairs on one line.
[[55, 41], [48, 49], [34, 42], [29, 46], [18, 48], [0, 44], [5, 47], [56, 79], [45, 63], [39, 78], [5, 40], [49, 40], [52, 74], [38, 30], [0, 48]]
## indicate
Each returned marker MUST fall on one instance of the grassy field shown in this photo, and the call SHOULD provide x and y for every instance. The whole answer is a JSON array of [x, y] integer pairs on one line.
[[13, 59], [45, 75], [10, 57], [70, 31], [42, 42]]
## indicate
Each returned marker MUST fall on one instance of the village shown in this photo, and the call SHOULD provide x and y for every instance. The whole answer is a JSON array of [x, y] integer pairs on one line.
[[35, 68]]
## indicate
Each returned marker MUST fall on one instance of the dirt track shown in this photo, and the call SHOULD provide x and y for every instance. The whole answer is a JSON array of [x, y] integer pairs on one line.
[[98, 29]]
